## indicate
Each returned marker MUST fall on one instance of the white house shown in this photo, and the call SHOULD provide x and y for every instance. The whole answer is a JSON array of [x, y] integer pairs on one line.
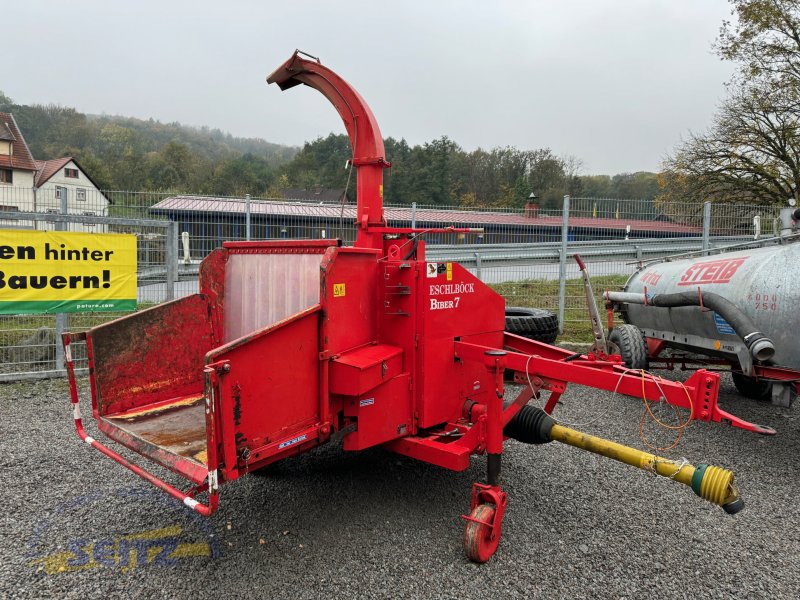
[[29, 185], [17, 167], [63, 179]]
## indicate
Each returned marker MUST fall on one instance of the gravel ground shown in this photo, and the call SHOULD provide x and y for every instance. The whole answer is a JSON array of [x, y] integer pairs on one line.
[[373, 525]]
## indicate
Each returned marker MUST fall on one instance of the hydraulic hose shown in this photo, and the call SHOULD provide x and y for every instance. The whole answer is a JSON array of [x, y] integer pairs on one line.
[[532, 425], [761, 347]]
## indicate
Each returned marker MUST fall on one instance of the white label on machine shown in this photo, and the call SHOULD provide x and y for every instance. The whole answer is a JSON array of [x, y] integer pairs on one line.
[[292, 441], [448, 289], [444, 304], [723, 326], [432, 270], [367, 402]]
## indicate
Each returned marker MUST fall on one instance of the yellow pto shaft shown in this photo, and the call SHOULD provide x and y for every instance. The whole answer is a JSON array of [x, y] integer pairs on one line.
[[711, 483], [715, 484]]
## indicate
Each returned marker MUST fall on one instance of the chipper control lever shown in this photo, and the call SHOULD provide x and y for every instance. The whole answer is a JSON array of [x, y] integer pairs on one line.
[[534, 426]]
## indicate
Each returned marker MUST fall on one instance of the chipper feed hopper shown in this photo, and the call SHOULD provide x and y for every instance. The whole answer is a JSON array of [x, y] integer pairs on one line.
[[289, 343]]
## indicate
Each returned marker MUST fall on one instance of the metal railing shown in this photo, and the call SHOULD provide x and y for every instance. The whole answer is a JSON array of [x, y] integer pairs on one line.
[[525, 253], [30, 346]]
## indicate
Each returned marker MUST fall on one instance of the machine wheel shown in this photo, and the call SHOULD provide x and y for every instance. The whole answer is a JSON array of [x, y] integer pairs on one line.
[[477, 536], [632, 346], [533, 323], [749, 387]]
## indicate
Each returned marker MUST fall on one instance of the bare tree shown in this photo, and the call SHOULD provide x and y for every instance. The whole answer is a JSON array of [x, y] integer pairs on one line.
[[751, 152]]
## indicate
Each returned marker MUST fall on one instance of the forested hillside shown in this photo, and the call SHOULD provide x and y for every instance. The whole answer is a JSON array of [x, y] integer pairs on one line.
[[441, 172], [122, 153]]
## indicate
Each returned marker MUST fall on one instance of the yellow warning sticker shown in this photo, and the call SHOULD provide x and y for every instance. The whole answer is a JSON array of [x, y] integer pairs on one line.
[[338, 290], [449, 271]]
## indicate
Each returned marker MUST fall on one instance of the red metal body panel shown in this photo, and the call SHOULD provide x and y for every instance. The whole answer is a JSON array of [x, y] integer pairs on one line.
[[397, 316], [452, 303], [280, 246], [363, 369], [349, 299], [171, 339], [269, 389], [382, 414], [212, 285]]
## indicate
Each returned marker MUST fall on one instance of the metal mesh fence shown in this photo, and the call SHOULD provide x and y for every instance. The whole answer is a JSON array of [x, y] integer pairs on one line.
[[632, 231], [526, 254]]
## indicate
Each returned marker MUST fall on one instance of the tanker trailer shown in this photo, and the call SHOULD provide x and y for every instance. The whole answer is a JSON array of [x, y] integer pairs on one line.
[[736, 308]]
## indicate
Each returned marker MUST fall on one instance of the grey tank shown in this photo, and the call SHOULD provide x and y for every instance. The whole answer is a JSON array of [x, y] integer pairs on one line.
[[761, 282]]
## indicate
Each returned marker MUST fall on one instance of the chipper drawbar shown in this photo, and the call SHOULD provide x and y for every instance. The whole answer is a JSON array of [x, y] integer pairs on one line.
[[290, 342]]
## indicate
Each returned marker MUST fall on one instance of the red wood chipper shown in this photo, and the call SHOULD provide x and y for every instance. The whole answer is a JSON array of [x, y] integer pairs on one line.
[[289, 343]]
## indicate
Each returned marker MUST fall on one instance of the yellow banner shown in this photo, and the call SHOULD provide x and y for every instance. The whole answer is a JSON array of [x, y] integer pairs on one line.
[[56, 271]]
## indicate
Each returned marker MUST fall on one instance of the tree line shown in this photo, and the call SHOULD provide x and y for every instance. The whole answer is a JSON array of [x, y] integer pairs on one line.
[[440, 172], [122, 153]]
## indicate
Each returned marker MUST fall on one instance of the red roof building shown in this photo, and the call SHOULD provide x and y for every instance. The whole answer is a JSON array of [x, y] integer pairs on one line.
[[218, 219], [18, 157], [28, 185], [45, 169]]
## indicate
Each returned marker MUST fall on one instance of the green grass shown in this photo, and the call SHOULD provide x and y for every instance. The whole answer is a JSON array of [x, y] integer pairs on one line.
[[543, 293], [14, 328]]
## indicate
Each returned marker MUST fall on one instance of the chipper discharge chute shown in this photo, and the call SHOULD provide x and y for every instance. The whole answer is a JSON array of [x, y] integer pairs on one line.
[[288, 343]]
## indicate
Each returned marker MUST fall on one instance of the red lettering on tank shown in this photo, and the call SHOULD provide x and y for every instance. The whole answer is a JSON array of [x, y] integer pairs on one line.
[[651, 278], [711, 271]]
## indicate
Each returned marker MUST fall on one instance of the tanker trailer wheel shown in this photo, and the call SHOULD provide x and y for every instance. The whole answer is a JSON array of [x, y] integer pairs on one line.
[[533, 323], [478, 544], [632, 346], [749, 387]]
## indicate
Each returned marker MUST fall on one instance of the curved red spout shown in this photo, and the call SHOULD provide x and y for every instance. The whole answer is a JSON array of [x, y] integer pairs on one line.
[[365, 137]]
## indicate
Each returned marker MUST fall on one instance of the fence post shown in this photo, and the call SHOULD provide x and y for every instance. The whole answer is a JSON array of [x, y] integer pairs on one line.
[[562, 265], [247, 216], [62, 319], [413, 215], [706, 227], [478, 265], [172, 259]]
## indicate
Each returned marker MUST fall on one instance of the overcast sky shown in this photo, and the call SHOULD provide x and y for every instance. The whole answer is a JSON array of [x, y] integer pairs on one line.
[[616, 83]]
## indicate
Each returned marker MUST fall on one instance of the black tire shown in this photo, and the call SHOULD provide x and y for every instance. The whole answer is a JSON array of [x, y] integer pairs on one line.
[[749, 387], [632, 346], [533, 323]]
